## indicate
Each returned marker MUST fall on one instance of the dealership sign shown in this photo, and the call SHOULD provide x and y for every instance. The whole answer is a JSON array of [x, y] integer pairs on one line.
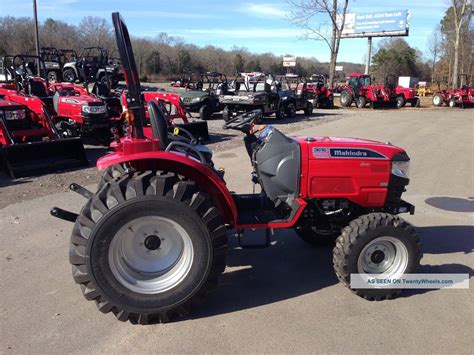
[[376, 24]]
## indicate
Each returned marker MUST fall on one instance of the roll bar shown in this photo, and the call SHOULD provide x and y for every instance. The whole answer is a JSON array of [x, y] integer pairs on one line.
[[134, 96]]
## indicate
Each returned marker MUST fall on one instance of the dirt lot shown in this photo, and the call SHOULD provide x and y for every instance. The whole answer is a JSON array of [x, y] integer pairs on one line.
[[281, 299]]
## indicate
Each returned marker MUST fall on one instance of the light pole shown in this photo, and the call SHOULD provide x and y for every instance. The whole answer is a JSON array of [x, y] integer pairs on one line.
[[35, 13]]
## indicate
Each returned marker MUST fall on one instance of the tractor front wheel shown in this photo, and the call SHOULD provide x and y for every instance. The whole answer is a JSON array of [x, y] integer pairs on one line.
[[400, 101], [361, 101], [415, 102], [452, 103], [438, 100], [147, 246], [376, 243], [346, 98]]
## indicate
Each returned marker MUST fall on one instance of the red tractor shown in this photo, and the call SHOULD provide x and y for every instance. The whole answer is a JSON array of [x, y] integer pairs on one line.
[[405, 95], [30, 143], [152, 239], [322, 96], [463, 97], [74, 111], [359, 89]]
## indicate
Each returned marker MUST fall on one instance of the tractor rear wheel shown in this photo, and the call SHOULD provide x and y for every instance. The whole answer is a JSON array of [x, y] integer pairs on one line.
[[113, 173], [400, 101], [205, 112], [438, 100], [376, 243], [361, 101], [346, 98], [308, 110], [415, 102], [147, 246]]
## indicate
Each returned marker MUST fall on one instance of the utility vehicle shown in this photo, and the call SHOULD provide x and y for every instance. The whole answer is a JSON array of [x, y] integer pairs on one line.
[[294, 94], [152, 240], [91, 65], [462, 97], [255, 90], [360, 89], [200, 93]]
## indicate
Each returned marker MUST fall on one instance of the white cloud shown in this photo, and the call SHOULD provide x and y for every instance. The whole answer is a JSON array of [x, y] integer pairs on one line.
[[262, 10]]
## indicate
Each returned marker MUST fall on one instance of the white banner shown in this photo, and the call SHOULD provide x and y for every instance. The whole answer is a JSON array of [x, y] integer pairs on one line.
[[428, 281]]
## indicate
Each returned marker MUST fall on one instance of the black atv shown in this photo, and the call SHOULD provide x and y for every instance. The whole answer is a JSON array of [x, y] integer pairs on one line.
[[250, 91]]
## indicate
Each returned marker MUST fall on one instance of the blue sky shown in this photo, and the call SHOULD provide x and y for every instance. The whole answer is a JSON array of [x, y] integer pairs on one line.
[[261, 26]]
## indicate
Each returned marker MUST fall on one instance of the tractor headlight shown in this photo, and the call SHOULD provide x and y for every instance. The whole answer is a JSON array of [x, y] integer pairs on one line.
[[15, 115], [401, 168], [196, 99], [94, 109]]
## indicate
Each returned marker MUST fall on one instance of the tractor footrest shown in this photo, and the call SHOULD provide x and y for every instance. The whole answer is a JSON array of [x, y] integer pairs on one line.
[[268, 239]]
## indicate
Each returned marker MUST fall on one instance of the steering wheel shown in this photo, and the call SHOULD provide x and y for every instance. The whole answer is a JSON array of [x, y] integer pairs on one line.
[[244, 121]]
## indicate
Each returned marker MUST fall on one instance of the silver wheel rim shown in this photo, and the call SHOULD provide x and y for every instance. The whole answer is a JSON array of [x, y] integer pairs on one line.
[[384, 255], [151, 254]]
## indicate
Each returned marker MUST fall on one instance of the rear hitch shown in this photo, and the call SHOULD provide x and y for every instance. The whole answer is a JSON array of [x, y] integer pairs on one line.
[[80, 190], [63, 214]]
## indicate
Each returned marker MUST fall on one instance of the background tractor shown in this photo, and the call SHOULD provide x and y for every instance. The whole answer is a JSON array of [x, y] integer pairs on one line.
[[360, 89], [322, 96], [152, 240]]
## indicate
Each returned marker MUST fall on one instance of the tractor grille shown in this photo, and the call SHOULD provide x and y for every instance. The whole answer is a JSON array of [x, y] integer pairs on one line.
[[186, 99], [96, 119]]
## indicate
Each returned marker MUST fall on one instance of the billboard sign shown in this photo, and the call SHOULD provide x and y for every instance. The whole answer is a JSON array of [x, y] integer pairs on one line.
[[289, 61], [376, 24]]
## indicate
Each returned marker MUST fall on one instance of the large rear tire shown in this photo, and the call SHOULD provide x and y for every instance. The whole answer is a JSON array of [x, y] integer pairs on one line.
[[147, 246], [346, 98], [376, 243], [291, 110], [308, 110]]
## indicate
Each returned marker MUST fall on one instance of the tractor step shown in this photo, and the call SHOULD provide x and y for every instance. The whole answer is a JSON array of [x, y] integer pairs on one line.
[[268, 239]]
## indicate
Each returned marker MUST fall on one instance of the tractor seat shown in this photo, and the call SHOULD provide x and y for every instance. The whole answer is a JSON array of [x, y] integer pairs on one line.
[[36, 88]]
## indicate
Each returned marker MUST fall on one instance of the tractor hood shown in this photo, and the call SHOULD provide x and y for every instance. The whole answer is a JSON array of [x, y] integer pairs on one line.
[[320, 147]]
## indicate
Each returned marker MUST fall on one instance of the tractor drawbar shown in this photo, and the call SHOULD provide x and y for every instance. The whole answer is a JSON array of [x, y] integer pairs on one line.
[[66, 215]]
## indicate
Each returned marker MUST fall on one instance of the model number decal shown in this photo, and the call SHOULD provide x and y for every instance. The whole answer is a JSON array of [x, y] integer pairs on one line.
[[320, 152], [355, 153]]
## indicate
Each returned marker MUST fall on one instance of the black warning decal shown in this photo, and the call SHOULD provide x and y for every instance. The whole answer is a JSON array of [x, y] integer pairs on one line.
[[355, 153]]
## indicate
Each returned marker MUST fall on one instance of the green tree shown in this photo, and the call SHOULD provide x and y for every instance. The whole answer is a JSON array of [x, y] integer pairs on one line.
[[395, 57]]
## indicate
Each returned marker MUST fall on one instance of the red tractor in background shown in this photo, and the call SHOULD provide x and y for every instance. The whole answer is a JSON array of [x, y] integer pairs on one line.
[[73, 110], [360, 89], [152, 240], [462, 97], [29, 141], [322, 96], [404, 95]]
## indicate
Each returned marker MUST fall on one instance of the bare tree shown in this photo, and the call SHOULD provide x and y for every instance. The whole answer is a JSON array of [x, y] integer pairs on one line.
[[305, 10], [460, 16], [434, 48]]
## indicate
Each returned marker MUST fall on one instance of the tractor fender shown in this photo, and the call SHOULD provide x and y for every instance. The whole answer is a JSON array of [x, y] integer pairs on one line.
[[205, 177]]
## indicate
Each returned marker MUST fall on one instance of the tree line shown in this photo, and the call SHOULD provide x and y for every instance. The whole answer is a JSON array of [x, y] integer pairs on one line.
[[160, 57]]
